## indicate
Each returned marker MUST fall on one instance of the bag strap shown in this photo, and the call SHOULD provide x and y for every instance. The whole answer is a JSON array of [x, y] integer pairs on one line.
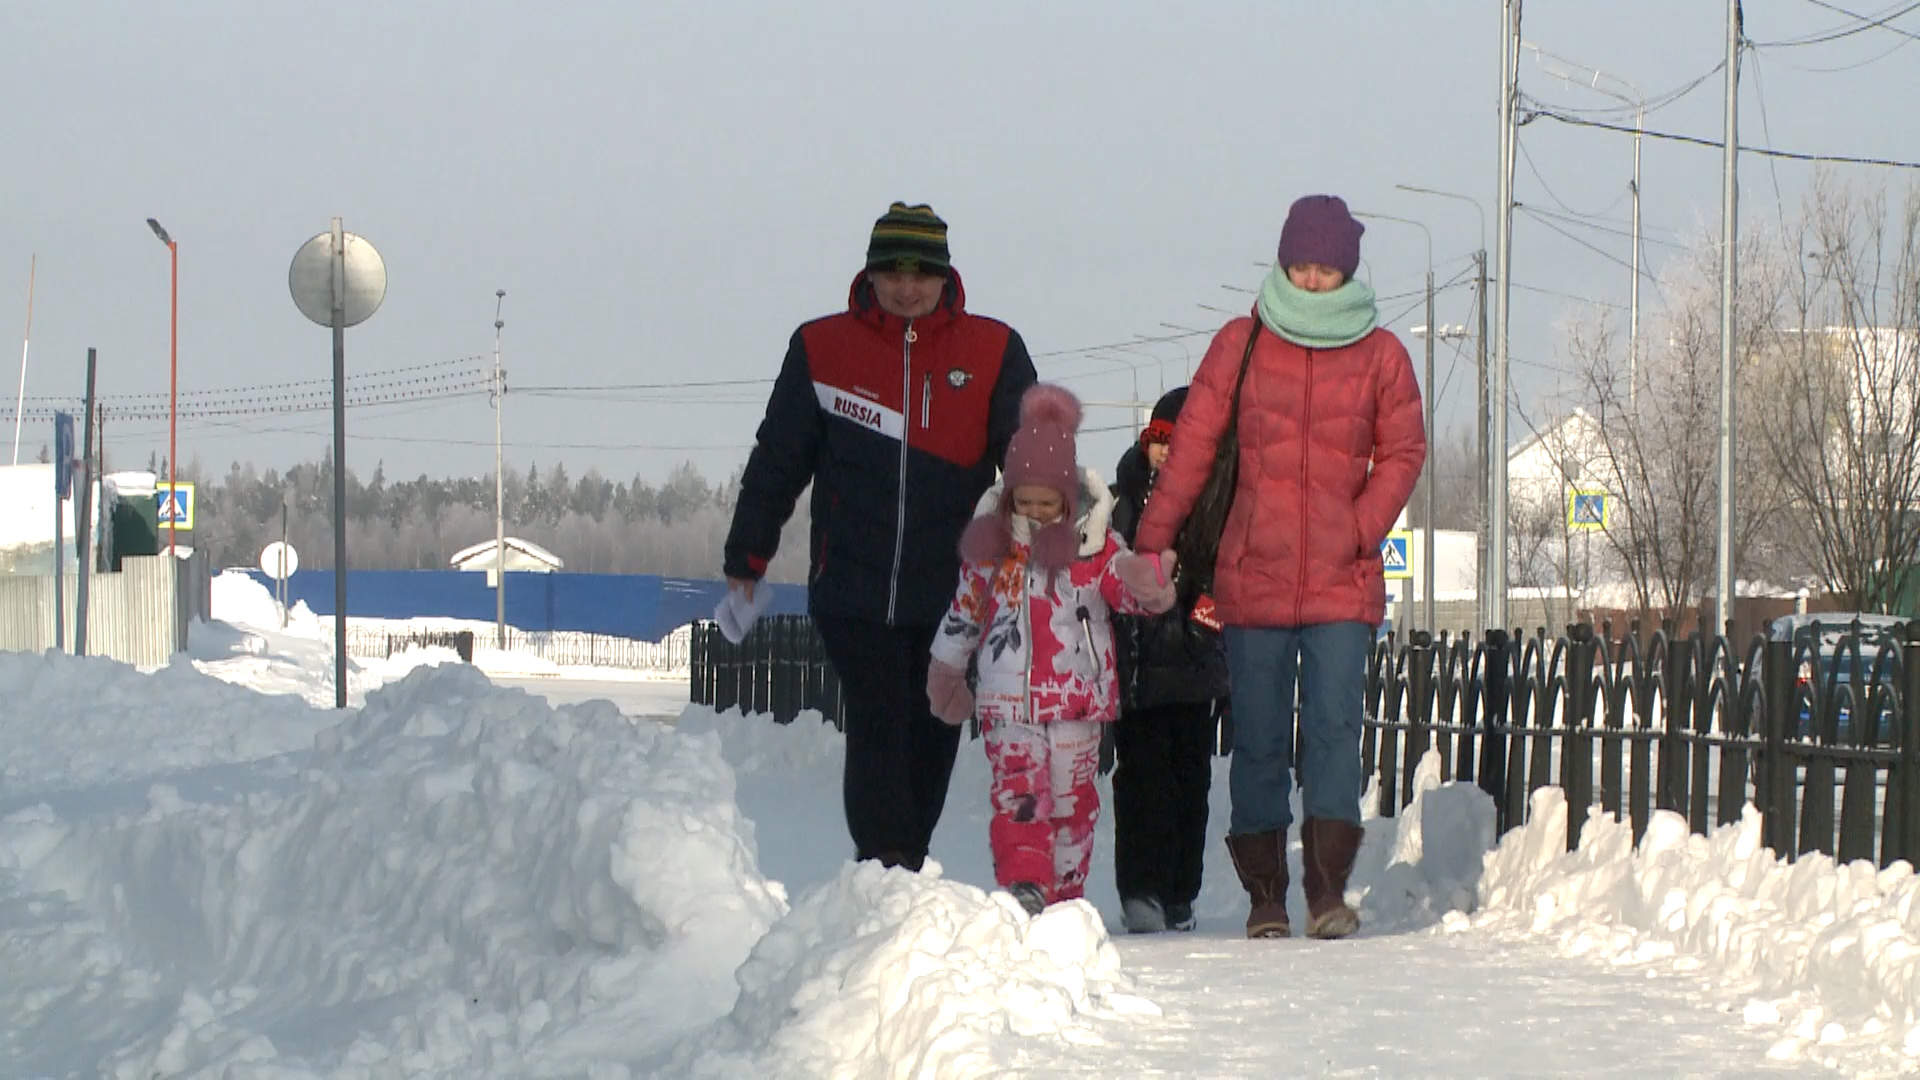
[[1246, 361]]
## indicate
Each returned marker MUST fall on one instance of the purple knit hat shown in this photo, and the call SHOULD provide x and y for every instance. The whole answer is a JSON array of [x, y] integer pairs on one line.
[[1320, 230]]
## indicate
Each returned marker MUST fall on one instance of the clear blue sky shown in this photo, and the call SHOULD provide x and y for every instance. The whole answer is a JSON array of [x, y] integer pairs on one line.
[[666, 190]]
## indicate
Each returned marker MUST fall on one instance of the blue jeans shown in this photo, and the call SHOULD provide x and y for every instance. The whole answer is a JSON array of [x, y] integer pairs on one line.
[[1329, 663]]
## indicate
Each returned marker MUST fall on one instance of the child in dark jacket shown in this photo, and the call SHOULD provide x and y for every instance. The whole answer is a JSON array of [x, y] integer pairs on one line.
[[1173, 672]]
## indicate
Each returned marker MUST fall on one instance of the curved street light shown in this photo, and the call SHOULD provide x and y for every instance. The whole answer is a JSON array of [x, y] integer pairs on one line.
[[173, 383], [1427, 557], [1493, 497], [1568, 71]]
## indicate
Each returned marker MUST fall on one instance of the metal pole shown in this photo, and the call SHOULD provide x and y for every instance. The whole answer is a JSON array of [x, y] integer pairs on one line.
[[1429, 390], [1633, 301], [59, 545], [26, 339], [1480, 560], [339, 467], [85, 513], [1480, 588], [280, 585], [173, 395], [1433, 331], [1723, 578], [1497, 388], [499, 483]]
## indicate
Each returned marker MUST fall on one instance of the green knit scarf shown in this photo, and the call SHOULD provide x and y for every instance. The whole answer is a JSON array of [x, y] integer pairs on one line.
[[1325, 320]]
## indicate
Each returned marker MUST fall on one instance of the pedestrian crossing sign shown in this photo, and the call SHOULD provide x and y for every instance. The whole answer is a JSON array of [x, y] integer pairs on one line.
[[174, 506], [1588, 510], [1395, 554]]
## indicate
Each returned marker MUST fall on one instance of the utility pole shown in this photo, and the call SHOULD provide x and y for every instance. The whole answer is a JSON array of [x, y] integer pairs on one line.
[[499, 483], [1497, 388], [1481, 590], [1724, 584]]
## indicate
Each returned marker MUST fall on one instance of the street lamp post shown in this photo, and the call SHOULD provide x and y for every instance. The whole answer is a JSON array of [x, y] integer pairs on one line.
[[1427, 559], [1558, 67], [1482, 591], [173, 382], [1185, 333], [1133, 370], [499, 482]]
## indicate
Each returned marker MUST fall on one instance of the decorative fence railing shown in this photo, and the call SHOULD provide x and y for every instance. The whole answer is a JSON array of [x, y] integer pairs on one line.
[[1626, 726], [567, 648], [379, 644]]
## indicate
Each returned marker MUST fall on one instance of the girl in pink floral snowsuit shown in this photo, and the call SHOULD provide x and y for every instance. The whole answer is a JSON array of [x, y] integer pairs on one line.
[[1042, 573]]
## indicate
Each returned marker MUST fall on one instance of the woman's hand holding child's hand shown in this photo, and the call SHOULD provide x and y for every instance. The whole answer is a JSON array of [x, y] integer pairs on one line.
[[947, 693], [1149, 578]]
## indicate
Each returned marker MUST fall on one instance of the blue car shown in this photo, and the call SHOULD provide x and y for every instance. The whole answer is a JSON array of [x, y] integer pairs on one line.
[[1834, 666]]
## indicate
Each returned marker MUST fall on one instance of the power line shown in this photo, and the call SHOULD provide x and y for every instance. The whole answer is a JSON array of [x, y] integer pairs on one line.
[[587, 388], [1603, 253], [1863, 23], [1763, 151], [1527, 156], [1599, 227]]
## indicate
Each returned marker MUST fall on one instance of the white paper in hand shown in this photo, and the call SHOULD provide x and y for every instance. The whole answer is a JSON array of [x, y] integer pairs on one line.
[[736, 614]]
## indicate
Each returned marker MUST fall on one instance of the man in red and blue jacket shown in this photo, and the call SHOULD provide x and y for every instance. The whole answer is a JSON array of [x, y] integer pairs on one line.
[[898, 411]]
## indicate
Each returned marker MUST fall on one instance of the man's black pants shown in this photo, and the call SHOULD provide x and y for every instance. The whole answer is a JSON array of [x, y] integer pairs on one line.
[[1163, 772], [899, 755]]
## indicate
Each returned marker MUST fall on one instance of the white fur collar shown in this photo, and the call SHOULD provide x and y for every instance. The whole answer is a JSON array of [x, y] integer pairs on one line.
[[1096, 509]]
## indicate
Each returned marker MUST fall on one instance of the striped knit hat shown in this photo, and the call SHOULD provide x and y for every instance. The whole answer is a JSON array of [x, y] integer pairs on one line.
[[909, 238]]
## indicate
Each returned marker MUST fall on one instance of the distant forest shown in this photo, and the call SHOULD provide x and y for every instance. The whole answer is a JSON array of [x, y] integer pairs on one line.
[[595, 525]]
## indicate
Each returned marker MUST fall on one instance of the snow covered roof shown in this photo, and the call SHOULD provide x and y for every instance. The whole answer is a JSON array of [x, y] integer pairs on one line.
[[521, 555]]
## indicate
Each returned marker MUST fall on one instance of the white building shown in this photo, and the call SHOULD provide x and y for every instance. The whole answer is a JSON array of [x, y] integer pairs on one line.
[[522, 556]]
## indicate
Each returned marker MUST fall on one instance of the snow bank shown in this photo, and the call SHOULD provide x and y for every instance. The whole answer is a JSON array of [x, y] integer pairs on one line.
[[460, 882], [75, 721], [1828, 953], [1416, 868], [885, 973], [245, 644]]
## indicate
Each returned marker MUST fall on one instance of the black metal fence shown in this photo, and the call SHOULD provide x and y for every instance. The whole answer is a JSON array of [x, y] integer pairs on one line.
[[380, 644], [1625, 725], [781, 669]]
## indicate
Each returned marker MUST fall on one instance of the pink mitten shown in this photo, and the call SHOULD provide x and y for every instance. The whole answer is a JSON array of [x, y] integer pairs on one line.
[[947, 693], [1149, 578]]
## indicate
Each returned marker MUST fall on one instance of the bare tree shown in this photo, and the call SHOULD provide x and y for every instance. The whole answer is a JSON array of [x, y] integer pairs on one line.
[[1842, 425], [1653, 449]]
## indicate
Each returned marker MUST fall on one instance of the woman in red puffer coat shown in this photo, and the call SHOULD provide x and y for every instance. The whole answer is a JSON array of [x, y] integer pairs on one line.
[[1331, 440]]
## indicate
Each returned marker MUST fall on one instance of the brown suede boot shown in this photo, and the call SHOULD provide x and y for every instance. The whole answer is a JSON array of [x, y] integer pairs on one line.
[[1330, 846], [1261, 861]]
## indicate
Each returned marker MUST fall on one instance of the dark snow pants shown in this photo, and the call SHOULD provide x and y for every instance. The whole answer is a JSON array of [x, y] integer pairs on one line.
[[1163, 771], [899, 755]]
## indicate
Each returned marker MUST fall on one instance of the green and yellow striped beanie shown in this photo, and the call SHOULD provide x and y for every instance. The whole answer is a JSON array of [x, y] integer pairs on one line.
[[909, 238]]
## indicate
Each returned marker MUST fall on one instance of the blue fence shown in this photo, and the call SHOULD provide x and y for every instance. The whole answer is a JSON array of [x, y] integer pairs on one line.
[[644, 607]]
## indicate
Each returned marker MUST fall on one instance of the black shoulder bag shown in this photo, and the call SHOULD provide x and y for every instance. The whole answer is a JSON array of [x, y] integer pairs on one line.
[[1198, 542]]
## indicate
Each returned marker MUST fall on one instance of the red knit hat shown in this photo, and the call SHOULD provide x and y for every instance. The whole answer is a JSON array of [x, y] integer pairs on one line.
[[1043, 453]]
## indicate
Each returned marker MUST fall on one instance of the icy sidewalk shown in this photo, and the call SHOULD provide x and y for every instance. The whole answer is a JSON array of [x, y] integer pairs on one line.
[[1427, 1004]]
